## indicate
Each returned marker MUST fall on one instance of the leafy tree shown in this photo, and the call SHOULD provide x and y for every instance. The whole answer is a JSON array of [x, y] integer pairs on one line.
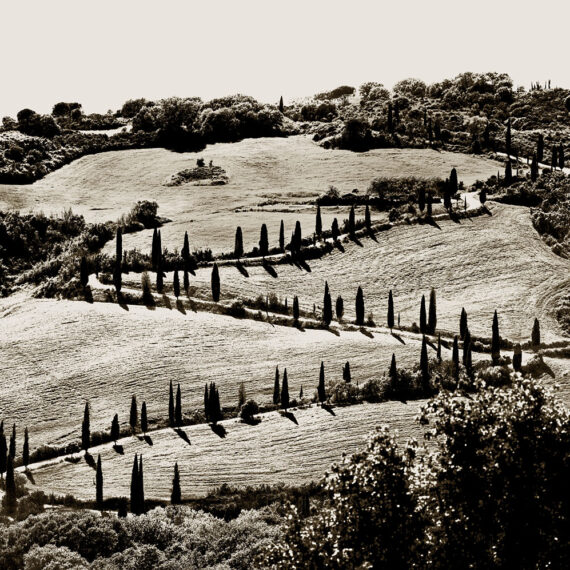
[[367, 218], [423, 324], [327, 306], [282, 236], [496, 339], [432, 318], [318, 222], [241, 396], [424, 365], [321, 390], [176, 495], [26, 449], [339, 308], [115, 428], [351, 221], [238, 247], [360, 307], [176, 284], [285, 391], [263, 241], [296, 309], [517, 357], [276, 388], [85, 429], [463, 323], [215, 283], [178, 407], [99, 483], [335, 230], [144, 419], [346, 375], [83, 272], [535, 336], [133, 416], [390, 311]]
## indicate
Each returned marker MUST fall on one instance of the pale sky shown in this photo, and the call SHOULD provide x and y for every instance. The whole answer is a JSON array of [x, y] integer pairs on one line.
[[103, 52]]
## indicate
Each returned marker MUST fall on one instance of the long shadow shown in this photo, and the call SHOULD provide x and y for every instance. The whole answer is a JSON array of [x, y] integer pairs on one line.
[[454, 217], [148, 439], [328, 408], [269, 268], [121, 302], [299, 326], [302, 264], [372, 235], [180, 306], [192, 306], [398, 337], [119, 449], [166, 301], [219, 430], [431, 344], [241, 268], [289, 416], [332, 331], [355, 240], [366, 332], [88, 294], [182, 435], [339, 246], [433, 223], [90, 460], [487, 211], [30, 476]]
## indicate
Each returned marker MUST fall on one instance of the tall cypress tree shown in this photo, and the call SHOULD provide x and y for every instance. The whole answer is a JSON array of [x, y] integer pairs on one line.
[[133, 416], [3, 454], [423, 324], [422, 199], [117, 272], [176, 495], [439, 347], [176, 284], [429, 205], [321, 390], [115, 428], [263, 241], [561, 156], [463, 323], [159, 277], [10, 501], [393, 371], [469, 360], [335, 230], [296, 308], [432, 313], [534, 168], [178, 408], [215, 283], [276, 388], [367, 218], [339, 308], [135, 508], [99, 483], [12, 448], [455, 356], [282, 236], [466, 347], [85, 429], [83, 272], [540, 148], [517, 357], [153, 257], [285, 391], [281, 104], [298, 236], [351, 221], [140, 487], [186, 250], [535, 335], [508, 172], [327, 306], [359, 307], [453, 182], [508, 137], [346, 375], [496, 339], [186, 281], [424, 365], [554, 162], [171, 404], [238, 246], [26, 449], [390, 311], [144, 419], [318, 222]]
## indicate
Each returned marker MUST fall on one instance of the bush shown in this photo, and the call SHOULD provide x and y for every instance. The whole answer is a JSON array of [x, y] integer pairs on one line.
[[248, 410]]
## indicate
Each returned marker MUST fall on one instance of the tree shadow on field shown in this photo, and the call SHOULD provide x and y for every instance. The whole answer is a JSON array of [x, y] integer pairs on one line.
[[371, 235], [355, 240], [433, 223], [339, 246], [328, 409], [241, 268], [119, 449], [219, 430], [301, 264], [366, 332], [398, 337], [182, 435], [180, 306], [88, 294], [289, 416], [299, 326], [431, 344], [166, 301], [121, 302], [146, 438], [90, 460], [30, 476], [269, 268], [332, 331], [454, 217], [487, 211]]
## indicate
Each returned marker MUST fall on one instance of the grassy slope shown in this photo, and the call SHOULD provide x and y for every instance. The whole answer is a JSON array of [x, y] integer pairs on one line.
[[287, 171]]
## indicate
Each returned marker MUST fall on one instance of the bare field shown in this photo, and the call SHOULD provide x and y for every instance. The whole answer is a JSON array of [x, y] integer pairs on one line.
[[276, 450], [55, 355], [282, 174]]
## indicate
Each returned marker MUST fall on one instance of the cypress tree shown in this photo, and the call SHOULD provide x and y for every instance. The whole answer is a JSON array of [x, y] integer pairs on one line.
[[171, 404], [281, 104], [282, 236], [318, 222], [429, 205], [346, 375], [393, 371], [508, 137], [466, 347], [339, 307], [238, 247], [554, 162], [215, 283], [463, 323], [360, 307], [206, 404], [496, 339], [159, 278], [26, 449], [534, 168], [296, 308], [301, 393], [469, 360], [85, 429], [10, 502], [153, 257], [367, 219], [327, 306], [176, 495], [334, 229], [99, 483], [276, 388], [508, 172], [540, 148], [117, 277], [134, 487], [453, 182], [321, 390], [432, 313], [424, 365], [186, 250], [517, 357], [141, 487], [482, 195], [115, 428], [439, 347], [455, 356], [390, 311], [3, 454], [351, 221], [535, 336], [12, 448], [285, 391], [423, 324], [186, 281], [176, 284], [298, 236], [263, 241], [241, 395], [144, 419], [133, 417], [84, 272], [561, 156], [178, 408], [422, 199]]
